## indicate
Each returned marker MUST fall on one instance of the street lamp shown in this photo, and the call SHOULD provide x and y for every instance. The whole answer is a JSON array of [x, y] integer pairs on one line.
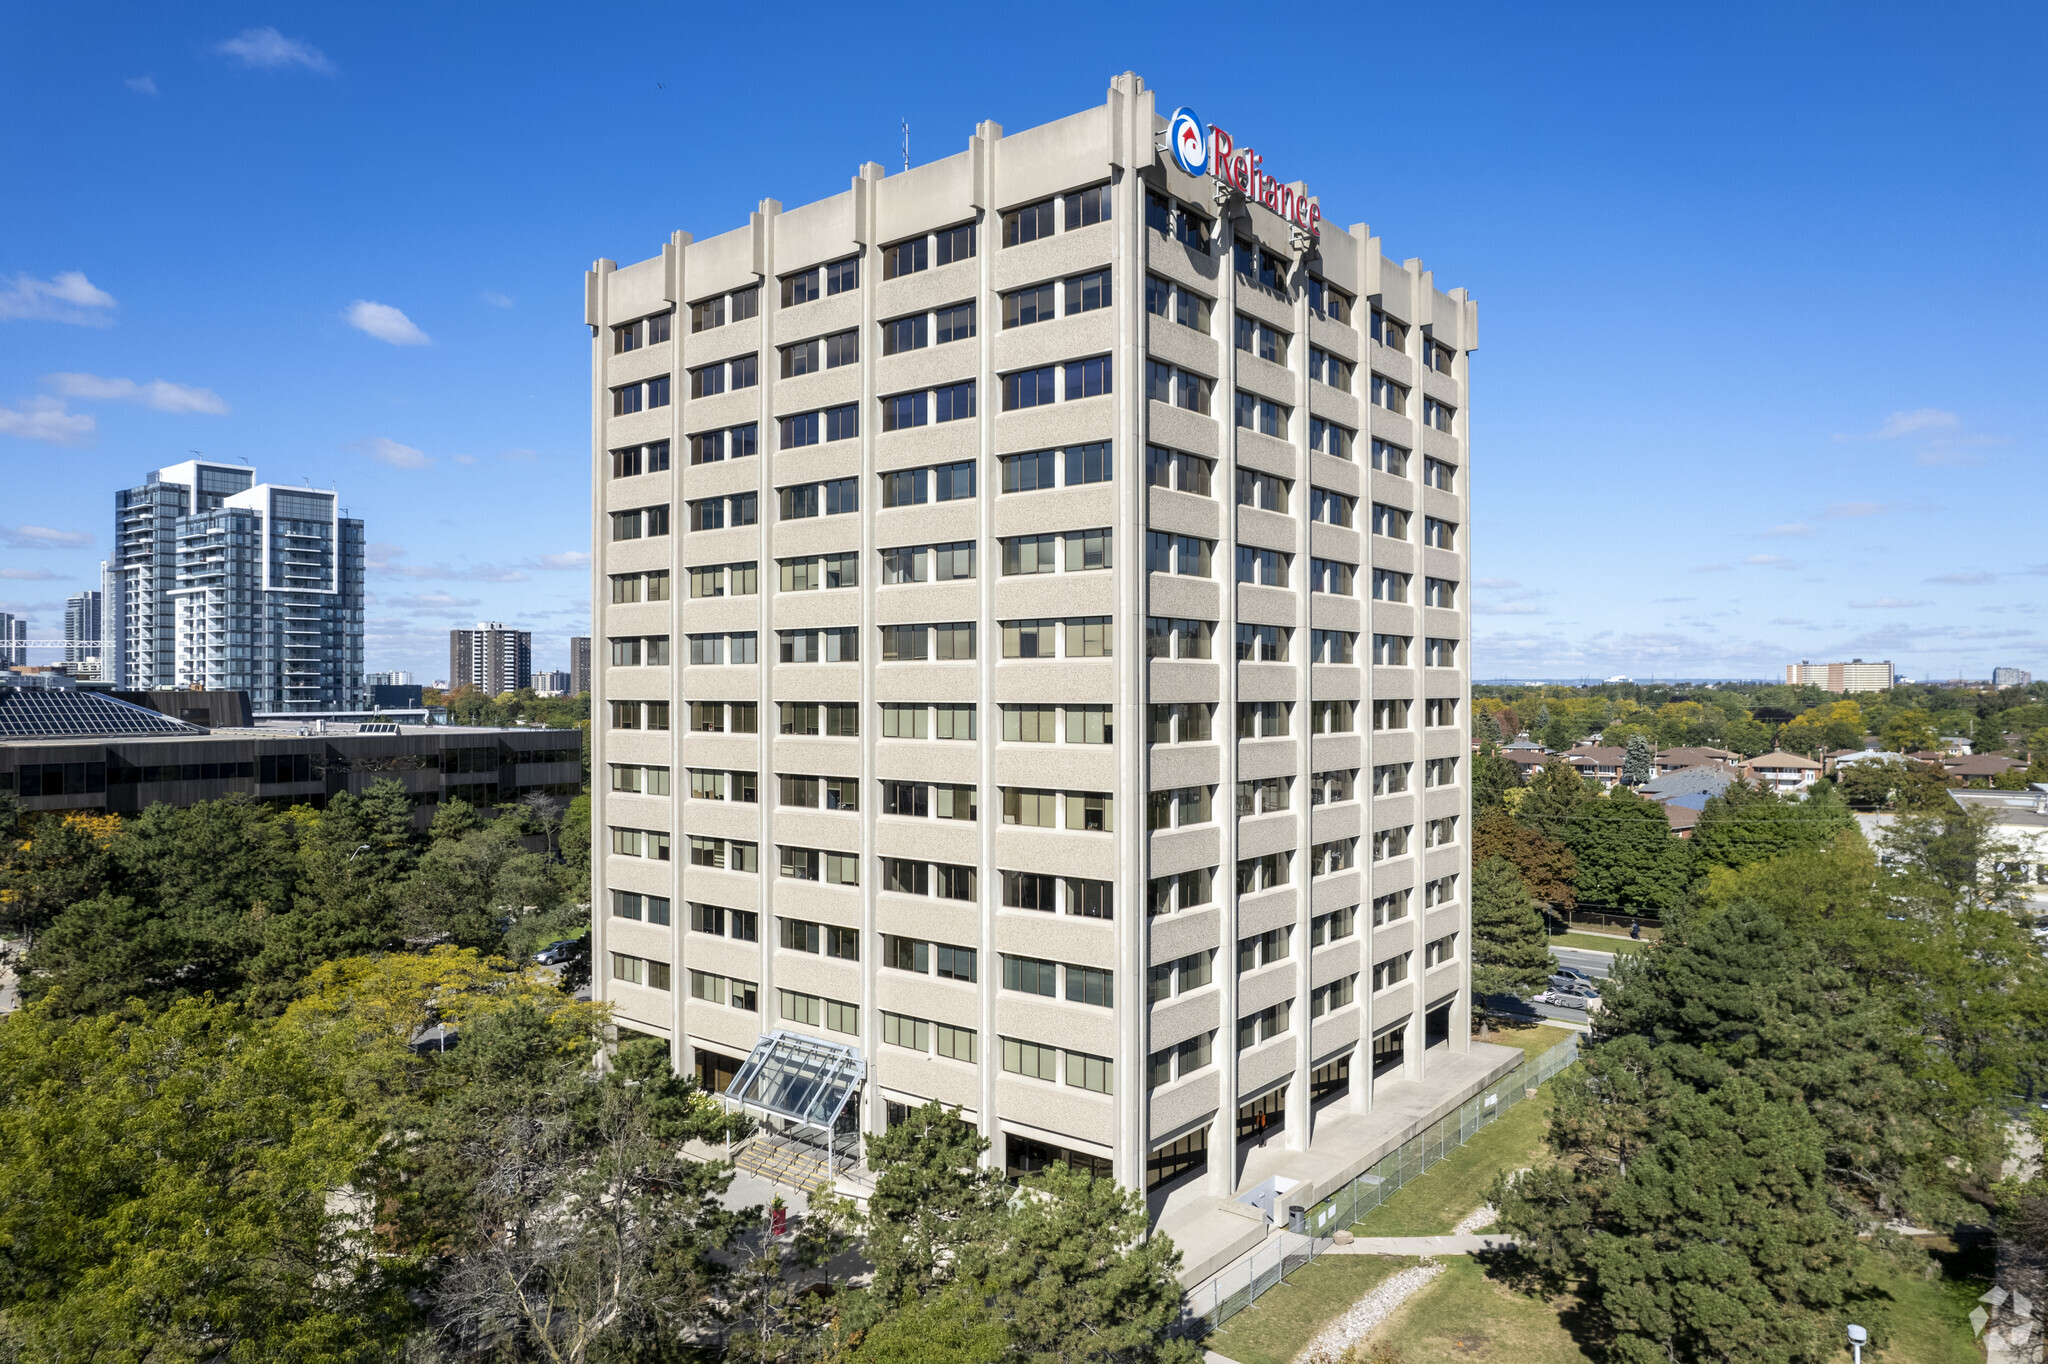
[[1858, 1338]]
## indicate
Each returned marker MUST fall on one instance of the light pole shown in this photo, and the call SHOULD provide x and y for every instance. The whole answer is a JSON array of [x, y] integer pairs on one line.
[[1858, 1338]]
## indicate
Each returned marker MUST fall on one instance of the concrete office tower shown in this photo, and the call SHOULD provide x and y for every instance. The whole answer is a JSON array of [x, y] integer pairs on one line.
[[13, 640], [82, 620], [490, 658], [1853, 676], [2011, 677], [579, 664], [990, 562], [230, 585]]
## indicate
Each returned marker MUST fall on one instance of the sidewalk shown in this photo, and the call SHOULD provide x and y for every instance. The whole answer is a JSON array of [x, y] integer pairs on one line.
[[1422, 1245]]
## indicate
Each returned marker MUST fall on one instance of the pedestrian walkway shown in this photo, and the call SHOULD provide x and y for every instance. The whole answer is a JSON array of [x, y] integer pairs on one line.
[[1422, 1245]]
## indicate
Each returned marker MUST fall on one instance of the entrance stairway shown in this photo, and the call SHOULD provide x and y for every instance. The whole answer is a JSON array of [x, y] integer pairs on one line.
[[779, 1160]]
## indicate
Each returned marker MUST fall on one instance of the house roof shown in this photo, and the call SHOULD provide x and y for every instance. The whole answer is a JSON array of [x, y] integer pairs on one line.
[[1526, 758], [1693, 757], [1982, 765], [1606, 756], [1782, 762], [1682, 818], [1710, 779], [53, 714]]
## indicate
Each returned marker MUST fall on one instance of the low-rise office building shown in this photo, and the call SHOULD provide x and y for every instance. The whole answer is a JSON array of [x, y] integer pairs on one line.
[[1031, 593]]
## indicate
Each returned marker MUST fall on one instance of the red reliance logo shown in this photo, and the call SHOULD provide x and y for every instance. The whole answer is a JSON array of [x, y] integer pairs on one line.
[[1241, 171]]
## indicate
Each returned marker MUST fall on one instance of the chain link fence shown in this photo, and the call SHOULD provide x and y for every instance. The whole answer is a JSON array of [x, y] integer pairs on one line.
[[1240, 1285]]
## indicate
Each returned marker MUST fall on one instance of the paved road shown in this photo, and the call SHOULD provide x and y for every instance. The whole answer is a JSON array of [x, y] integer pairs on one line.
[[1594, 964]]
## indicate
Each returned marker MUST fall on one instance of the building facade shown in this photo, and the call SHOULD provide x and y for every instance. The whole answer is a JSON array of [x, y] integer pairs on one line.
[[82, 621], [222, 583], [552, 683], [1853, 676], [490, 658], [579, 664], [2011, 677], [13, 640], [1032, 623]]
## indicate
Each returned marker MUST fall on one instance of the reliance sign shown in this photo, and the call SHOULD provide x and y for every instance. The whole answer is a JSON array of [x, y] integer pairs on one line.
[[1214, 152]]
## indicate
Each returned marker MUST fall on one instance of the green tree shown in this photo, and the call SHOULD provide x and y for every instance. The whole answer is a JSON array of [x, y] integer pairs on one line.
[[1749, 737], [1747, 824], [1635, 768], [955, 1327], [1555, 794], [1891, 784], [1492, 778], [65, 860], [1546, 865], [1076, 1280], [1626, 854], [1510, 945], [934, 1204], [1908, 731], [165, 1194], [1486, 730]]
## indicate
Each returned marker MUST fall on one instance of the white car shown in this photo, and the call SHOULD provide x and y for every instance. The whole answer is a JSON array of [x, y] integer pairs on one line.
[[1568, 997]]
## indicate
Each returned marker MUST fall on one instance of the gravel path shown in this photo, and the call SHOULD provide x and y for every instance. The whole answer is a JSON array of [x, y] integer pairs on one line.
[[1482, 1216], [1359, 1320]]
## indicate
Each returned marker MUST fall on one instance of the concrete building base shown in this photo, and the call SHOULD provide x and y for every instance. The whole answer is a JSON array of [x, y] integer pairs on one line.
[[1213, 1232]]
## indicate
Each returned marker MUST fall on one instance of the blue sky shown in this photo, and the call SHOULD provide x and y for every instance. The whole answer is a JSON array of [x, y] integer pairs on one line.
[[1760, 287]]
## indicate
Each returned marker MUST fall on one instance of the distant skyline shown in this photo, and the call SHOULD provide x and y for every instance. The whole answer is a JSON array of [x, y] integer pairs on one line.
[[1760, 289]]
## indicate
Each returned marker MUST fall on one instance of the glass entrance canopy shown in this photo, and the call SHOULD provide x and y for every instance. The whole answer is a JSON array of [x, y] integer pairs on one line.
[[804, 1080]]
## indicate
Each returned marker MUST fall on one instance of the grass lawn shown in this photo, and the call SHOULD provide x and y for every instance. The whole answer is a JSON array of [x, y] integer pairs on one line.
[[1281, 1323], [1534, 1039], [1463, 1315], [1597, 942], [1930, 1318], [1432, 1203]]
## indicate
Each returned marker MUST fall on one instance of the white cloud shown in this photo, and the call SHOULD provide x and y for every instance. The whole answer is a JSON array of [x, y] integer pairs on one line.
[[30, 575], [265, 49], [382, 557], [570, 559], [1885, 604], [43, 537], [496, 299], [386, 323], [45, 419], [67, 297], [463, 459], [1768, 561], [158, 394], [387, 451], [519, 454], [1964, 579], [1951, 455], [1710, 568], [141, 85], [425, 603], [1899, 424]]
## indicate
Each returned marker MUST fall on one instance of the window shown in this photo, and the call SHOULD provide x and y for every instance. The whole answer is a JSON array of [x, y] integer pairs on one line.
[[1187, 555], [746, 302], [1440, 891], [838, 497], [842, 275], [1263, 873], [1326, 301], [1030, 1059], [1389, 779], [1391, 522], [1440, 415], [1027, 388], [1332, 508], [1087, 207], [1264, 491], [1089, 463], [633, 460], [798, 1008], [1329, 788], [1390, 843], [1265, 796], [904, 411], [1390, 973], [1030, 724], [638, 971], [905, 334], [1439, 653], [1332, 717], [1171, 637], [1023, 307], [1260, 268], [1264, 567], [899, 1031], [1332, 646], [1388, 394], [906, 258], [1390, 458], [1440, 772], [1030, 638], [1389, 715], [1175, 220], [1086, 293], [1262, 415], [648, 843], [1437, 474], [1029, 890], [1263, 719], [1258, 338], [839, 644], [1264, 1025], [1262, 643], [955, 324], [1331, 575], [1177, 387], [842, 1017], [1333, 927], [1188, 720], [1095, 1073], [954, 402], [959, 1044], [1179, 808], [1440, 833], [1088, 378], [1439, 712], [1387, 909], [1440, 951], [708, 314], [1028, 224], [1439, 534], [1390, 650], [1388, 332], [630, 905], [631, 525], [955, 243], [1171, 469], [1335, 995], [1330, 438]]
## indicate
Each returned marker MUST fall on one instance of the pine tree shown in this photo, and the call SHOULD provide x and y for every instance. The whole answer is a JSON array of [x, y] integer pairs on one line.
[[1747, 824], [1510, 945], [1635, 768], [934, 1203], [1555, 794], [1486, 730], [1492, 778]]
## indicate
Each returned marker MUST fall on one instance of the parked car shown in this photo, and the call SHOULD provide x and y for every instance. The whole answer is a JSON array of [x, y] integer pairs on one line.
[[556, 953], [1569, 997], [1570, 977]]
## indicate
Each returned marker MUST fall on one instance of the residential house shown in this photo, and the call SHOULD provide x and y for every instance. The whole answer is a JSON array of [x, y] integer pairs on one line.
[[1678, 759], [1782, 772]]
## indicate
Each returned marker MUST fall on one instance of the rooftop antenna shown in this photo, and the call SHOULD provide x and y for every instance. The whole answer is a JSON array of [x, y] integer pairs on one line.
[[906, 144]]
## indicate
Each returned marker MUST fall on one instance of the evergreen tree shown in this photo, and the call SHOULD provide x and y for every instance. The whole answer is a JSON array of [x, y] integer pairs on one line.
[[1492, 778], [1555, 794], [1510, 945], [1747, 824], [1486, 730], [1627, 856], [64, 860], [934, 1205], [1635, 768]]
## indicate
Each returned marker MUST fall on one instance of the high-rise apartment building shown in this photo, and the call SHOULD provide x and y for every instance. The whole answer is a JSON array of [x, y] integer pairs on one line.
[[82, 620], [490, 658], [226, 584], [2011, 677], [579, 664], [1032, 600], [13, 640], [1853, 676]]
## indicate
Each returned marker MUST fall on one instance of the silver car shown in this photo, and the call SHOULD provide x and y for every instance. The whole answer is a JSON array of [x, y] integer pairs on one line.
[[1569, 997]]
